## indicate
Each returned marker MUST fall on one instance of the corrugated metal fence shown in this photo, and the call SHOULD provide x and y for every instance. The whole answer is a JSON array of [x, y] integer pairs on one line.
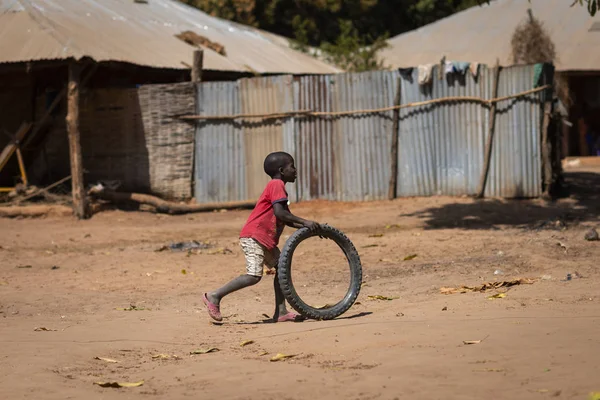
[[441, 146]]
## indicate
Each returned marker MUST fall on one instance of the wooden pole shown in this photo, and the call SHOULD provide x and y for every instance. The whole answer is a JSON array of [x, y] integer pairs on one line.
[[490, 139], [547, 148], [393, 184], [22, 166], [44, 190], [79, 196], [197, 66], [14, 144], [163, 206]]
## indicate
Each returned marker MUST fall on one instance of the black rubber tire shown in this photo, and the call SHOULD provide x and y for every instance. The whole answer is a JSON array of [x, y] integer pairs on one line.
[[285, 276]]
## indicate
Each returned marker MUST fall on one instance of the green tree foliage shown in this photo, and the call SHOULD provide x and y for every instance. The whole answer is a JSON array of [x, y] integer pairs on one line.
[[353, 52], [592, 5]]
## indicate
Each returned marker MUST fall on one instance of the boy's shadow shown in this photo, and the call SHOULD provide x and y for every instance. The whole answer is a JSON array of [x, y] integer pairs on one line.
[[270, 320]]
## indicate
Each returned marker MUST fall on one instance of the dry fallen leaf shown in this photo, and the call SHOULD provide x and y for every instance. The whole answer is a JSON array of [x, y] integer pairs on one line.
[[497, 296], [471, 341], [280, 357], [108, 360], [487, 286], [380, 297], [376, 235], [205, 351], [410, 257], [490, 370], [562, 245], [183, 271], [132, 307], [221, 250], [370, 245], [164, 357], [392, 226], [594, 396], [119, 384], [264, 353], [246, 343], [44, 329]]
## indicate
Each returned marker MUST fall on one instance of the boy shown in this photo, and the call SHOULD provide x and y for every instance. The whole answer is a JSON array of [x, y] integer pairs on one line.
[[260, 236]]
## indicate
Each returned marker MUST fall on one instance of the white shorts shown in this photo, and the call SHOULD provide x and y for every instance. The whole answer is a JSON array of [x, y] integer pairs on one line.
[[257, 255]]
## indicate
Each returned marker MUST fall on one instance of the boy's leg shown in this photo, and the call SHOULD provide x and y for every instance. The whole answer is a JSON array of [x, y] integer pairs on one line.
[[254, 264], [281, 312], [234, 285], [280, 308]]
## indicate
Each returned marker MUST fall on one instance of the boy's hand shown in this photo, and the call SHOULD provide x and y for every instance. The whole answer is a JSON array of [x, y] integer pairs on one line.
[[312, 225]]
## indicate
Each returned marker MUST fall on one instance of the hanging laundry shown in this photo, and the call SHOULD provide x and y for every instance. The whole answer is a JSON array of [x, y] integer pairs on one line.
[[449, 67], [537, 74], [453, 67], [474, 68], [425, 74], [406, 73], [461, 67]]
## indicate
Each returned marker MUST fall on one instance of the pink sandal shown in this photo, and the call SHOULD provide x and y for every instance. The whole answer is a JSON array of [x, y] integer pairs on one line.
[[213, 310], [291, 317]]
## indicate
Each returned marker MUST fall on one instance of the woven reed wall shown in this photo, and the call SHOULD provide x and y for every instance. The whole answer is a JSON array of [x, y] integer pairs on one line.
[[169, 141]]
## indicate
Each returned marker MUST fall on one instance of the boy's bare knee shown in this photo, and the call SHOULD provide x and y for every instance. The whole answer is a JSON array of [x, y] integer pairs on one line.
[[254, 279]]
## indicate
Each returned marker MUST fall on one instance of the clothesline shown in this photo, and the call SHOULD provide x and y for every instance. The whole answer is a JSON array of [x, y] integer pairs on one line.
[[311, 113]]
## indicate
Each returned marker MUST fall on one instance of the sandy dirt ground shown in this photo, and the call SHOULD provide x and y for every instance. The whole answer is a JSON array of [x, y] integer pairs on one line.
[[102, 290]]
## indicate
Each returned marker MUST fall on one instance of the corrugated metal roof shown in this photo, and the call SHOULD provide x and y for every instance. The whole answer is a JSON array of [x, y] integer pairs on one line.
[[483, 34], [140, 33]]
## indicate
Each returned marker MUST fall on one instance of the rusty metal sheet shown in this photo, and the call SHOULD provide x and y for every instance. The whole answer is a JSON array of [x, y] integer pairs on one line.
[[347, 157], [515, 168], [262, 136], [441, 145], [220, 166], [315, 139], [362, 141]]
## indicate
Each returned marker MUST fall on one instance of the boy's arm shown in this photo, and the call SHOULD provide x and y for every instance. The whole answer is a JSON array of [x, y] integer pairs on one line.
[[283, 214], [294, 225]]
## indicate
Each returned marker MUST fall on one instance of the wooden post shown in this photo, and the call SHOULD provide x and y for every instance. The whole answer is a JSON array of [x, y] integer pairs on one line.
[[79, 199], [22, 166], [490, 140], [547, 148], [393, 184], [197, 66]]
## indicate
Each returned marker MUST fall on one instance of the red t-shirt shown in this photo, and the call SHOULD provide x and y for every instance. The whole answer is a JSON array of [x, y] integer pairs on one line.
[[262, 225]]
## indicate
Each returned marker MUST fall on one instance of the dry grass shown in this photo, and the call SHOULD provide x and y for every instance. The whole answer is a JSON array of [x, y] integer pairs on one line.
[[531, 43]]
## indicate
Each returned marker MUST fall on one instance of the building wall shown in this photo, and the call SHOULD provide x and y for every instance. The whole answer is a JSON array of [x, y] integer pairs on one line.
[[347, 156]]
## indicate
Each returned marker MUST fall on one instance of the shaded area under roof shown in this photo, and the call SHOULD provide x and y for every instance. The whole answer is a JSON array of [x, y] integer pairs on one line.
[[483, 34], [142, 34]]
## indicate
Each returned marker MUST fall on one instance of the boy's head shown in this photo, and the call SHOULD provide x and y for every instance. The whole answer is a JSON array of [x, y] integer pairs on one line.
[[280, 165]]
